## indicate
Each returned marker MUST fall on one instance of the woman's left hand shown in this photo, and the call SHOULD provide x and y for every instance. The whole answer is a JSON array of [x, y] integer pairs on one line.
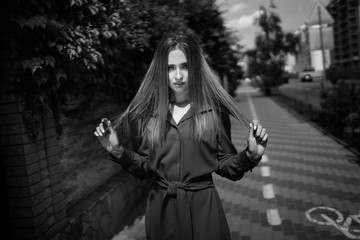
[[257, 141]]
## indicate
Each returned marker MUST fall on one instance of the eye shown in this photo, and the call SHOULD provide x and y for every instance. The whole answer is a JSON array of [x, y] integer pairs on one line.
[[171, 68], [184, 66]]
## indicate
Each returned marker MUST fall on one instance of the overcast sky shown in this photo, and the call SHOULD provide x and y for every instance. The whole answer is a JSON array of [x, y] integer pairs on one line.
[[239, 15]]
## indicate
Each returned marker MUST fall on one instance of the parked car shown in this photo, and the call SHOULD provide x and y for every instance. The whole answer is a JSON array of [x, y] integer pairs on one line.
[[306, 78]]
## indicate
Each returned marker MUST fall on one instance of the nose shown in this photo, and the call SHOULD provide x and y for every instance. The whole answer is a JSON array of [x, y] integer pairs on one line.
[[178, 75]]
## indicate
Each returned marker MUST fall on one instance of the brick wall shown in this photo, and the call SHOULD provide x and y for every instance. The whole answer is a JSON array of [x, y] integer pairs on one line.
[[85, 164], [31, 167], [5, 99]]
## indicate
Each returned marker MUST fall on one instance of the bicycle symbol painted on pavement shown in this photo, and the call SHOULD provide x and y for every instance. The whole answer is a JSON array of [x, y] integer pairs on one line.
[[321, 215]]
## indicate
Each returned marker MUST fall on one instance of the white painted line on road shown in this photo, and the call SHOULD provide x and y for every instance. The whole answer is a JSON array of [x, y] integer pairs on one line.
[[252, 108], [273, 217], [268, 191], [265, 171], [264, 158]]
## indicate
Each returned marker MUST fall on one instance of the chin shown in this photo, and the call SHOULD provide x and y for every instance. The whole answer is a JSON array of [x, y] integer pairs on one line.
[[179, 90]]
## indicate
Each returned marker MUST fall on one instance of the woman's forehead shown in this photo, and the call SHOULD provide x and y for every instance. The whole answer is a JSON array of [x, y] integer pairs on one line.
[[176, 56]]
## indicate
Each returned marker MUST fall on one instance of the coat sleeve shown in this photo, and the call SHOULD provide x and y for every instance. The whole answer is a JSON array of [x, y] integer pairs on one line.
[[231, 164], [134, 155], [136, 163]]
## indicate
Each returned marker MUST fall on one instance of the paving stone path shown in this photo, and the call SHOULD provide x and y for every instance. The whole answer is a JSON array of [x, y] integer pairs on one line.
[[307, 186]]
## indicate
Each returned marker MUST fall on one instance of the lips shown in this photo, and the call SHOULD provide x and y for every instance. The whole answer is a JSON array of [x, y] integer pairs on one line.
[[179, 83]]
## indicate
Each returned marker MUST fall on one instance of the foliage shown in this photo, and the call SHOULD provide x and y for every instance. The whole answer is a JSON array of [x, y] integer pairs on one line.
[[125, 66], [58, 47], [340, 112], [268, 58], [332, 74], [221, 46], [82, 47]]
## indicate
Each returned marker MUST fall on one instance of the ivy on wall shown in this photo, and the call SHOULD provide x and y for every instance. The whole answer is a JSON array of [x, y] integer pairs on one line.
[[57, 43], [81, 47]]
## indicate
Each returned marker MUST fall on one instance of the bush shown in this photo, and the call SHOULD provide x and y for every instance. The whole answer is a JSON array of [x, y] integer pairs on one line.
[[332, 75], [340, 113]]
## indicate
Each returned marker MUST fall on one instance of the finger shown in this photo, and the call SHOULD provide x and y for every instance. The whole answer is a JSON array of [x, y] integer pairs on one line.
[[101, 127], [106, 123], [98, 131], [265, 138], [263, 132], [258, 130], [96, 134], [251, 130], [255, 123], [111, 129]]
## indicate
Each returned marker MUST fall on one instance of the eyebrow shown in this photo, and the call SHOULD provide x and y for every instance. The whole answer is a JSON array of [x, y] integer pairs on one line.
[[180, 64]]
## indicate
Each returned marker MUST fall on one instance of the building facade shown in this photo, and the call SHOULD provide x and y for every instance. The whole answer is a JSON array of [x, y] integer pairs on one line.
[[303, 58], [346, 52], [308, 59]]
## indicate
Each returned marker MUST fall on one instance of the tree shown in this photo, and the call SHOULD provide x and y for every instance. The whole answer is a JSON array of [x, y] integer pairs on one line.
[[84, 47], [268, 58], [57, 45], [127, 61], [81, 47], [220, 45]]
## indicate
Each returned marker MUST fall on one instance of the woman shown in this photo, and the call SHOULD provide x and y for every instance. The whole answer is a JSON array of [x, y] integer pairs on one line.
[[179, 133]]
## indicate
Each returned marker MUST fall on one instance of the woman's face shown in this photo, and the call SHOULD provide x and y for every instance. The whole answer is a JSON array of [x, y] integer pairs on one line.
[[178, 72]]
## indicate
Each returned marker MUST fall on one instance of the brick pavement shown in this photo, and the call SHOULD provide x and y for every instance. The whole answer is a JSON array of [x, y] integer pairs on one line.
[[306, 188]]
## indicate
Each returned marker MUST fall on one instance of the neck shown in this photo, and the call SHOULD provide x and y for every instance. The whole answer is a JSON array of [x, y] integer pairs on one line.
[[181, 99]]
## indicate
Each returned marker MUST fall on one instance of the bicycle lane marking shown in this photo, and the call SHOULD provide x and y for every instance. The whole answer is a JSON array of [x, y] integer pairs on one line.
[[252, 108], [272, 215], [265, 171], [343, 225], [268, 191]]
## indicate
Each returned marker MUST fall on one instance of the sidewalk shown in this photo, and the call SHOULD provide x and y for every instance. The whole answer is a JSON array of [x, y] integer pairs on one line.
[[307, 187]]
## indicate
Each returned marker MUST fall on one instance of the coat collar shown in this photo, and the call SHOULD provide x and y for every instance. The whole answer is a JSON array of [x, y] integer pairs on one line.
[[187, 116]]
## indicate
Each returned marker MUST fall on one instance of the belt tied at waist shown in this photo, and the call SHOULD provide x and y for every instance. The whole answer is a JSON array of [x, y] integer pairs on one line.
[[178, 190]]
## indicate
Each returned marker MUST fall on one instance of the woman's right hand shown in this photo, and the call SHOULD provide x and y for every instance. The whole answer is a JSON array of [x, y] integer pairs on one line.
[[106, 135]]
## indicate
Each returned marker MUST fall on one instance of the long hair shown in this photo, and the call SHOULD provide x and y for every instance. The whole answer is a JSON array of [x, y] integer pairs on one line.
[[150, 104]]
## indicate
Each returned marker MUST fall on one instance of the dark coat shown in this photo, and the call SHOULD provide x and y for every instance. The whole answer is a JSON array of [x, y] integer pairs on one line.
[[183, 203]]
